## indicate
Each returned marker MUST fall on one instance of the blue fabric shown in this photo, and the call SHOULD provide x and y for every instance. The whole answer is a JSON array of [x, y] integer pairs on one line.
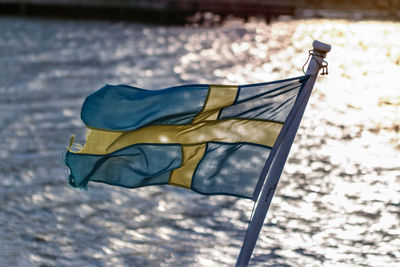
[[225, 168], [134, 166], [122, 107], [266, 101], [230, 169]]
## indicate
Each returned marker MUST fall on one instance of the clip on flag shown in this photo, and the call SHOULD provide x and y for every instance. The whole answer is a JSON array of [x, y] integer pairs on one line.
[[212, 139]]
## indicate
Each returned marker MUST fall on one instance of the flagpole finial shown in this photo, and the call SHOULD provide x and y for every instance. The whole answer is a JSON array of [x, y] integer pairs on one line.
[[321, 47], [317, 56]]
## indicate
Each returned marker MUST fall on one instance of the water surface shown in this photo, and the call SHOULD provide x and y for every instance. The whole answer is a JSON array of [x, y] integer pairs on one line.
[[338, 200]]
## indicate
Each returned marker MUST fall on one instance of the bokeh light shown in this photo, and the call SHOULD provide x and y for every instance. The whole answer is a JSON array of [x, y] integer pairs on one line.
[[338, 200]]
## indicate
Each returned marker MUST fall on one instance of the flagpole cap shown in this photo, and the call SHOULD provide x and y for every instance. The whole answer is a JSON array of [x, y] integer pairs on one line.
[[317, 56], [321, 47]]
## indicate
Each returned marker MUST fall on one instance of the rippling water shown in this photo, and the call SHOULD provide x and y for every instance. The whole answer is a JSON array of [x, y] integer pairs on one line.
[[338, 203]]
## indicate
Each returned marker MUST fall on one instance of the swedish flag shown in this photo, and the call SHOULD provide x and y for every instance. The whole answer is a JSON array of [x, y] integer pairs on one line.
[[212, 139]]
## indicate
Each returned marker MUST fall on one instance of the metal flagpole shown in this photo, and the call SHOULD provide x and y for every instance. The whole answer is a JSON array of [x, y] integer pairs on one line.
[[317, 62]]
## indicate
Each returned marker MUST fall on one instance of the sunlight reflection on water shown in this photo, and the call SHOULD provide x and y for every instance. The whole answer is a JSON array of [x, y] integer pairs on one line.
[[338, 200]]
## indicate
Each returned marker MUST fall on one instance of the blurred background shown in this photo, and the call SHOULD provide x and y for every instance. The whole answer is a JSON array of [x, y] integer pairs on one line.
[[338, 202]]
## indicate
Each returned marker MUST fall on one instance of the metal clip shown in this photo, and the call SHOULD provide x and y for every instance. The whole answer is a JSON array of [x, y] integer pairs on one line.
[[324, 68]]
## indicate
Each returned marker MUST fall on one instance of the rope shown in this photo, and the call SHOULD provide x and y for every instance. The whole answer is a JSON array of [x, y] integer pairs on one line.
[[310, 53], [324, 64]]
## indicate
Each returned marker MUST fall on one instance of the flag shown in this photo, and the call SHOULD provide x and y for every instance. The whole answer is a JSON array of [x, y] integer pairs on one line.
[[212, 139]]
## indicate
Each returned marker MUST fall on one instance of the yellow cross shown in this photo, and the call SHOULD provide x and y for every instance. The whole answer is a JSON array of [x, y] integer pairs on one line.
[[205, 127]]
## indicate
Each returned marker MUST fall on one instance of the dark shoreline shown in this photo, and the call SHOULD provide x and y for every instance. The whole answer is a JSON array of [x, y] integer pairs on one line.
[[177, 13]]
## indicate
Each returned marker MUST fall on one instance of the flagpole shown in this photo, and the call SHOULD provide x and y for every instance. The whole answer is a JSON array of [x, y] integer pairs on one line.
[[317, 62]]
